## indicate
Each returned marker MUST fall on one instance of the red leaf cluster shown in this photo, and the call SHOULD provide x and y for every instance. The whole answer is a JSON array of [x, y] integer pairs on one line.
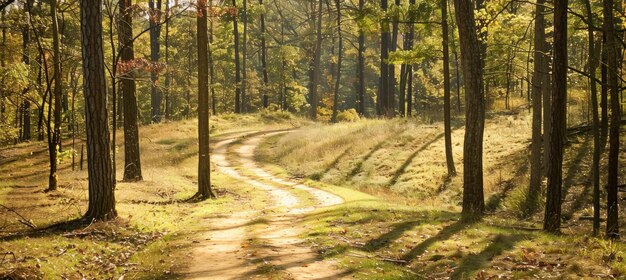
[[138, 64]]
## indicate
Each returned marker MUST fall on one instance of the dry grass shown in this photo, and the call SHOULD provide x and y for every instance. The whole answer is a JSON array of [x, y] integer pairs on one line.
[[403, 162], [397, 156]]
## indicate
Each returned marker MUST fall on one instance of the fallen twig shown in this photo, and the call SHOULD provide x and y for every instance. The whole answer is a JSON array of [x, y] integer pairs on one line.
[[21, 219], [380, 258], [4, 256]]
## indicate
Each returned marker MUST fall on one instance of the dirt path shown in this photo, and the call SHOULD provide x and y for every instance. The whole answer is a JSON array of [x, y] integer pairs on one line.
[[225, 251]]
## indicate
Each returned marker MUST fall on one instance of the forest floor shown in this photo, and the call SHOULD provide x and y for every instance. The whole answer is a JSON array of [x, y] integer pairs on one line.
[[365, 200]]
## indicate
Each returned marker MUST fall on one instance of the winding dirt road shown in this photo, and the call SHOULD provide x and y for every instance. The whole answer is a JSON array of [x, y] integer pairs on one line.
[[249, 244]]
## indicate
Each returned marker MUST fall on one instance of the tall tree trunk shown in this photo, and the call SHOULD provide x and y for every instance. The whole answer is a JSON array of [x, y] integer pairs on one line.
[[155, 34], [612, 226], [361, 66], [168, 76], [384, 87], [406, 69], [264, 59], [446, 88], [409, 69], [204, 165], [244, 60], [283, 67], [393, 46], [604, 97], [552, 220], [317, 71], [58, 92], [457, 75], [482, 29], [132, 159], [339, 61], [101, 187], [473, 196], [547, 107], [237, 65], [538, 83], [595, 167], [25, 104], [212, 77]]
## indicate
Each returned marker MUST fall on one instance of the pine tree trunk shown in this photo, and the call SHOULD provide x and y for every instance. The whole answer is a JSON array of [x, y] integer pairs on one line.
[[132, 159], [339, 61], [264, 60], [446, 89], [393, 46], [409, 68], [317, 71], [168, 76], [212, 78], [204, 165], [538, 82], [101, 187], [244, 60], [384, 87], [473, 196], [595, 167], [155, 34], [612, 224], [54, 146], [25, 104], [604, 97], [361, 67], [237, 65], [552, 219]]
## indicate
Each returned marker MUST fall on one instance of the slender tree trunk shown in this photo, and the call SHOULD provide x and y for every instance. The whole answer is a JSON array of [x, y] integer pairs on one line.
[[361, 66], [237, 65], [25, 104], [283, 67], [58, 92], [114, 88], [244, 60], [339, 61], [101, 187], [538, 83], [317, 71], [473, 196], [552, 220], [189, 72], [547, 106], [595, 167], [204, 165], [457, 68], [393, 46], [155, 34], [212, 66], [264, 59], [384, 87], [612, 224], [446, 88], [604, 97], [409, 69], [132, 159], [168, 76]]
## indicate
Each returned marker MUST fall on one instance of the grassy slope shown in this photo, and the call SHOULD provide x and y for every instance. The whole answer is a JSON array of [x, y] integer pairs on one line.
[[148, 241], [413, 230]]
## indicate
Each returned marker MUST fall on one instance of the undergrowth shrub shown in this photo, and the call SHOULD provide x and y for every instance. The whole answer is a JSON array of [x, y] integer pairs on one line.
[[272, 116], [521, 204], [349, 115]]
